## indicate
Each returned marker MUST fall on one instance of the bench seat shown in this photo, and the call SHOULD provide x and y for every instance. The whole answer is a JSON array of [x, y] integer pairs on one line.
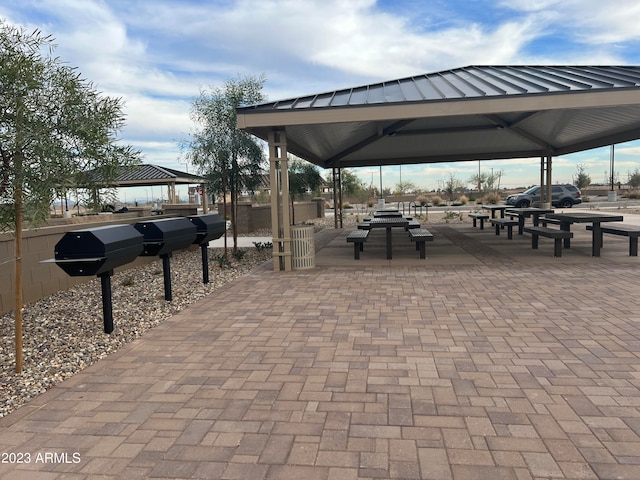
[[420, 236], [357, 237], [479, 216], [500, 223], [412, 224], [631, 231], [557, 235]]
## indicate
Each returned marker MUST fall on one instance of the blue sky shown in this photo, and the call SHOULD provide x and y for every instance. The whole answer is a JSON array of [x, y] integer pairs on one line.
[[157, 55]]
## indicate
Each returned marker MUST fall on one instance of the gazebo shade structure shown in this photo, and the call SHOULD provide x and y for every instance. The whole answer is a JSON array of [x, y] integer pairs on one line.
[[469, 113], [147, 175]]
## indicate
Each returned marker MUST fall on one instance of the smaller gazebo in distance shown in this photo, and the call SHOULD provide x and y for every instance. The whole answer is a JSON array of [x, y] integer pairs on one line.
[[147, 175]]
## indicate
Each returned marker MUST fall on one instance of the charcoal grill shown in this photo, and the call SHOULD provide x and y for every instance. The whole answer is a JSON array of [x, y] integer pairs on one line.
[[97, 251], [208, 227], [161, 238]]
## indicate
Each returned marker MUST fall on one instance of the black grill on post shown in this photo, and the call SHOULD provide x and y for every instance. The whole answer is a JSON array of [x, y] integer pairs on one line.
[[97, 251], [161, 238], [209, 227]]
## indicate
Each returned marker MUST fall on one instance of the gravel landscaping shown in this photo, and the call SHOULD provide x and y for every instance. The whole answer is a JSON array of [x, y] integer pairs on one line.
[[64, 333]]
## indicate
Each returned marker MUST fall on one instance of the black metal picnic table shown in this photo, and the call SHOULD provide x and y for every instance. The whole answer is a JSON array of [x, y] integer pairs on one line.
[[527, 212], [566, 219], [496, 208], [388, 223]]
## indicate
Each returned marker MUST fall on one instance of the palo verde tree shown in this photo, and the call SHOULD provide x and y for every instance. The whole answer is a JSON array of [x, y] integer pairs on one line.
[[53, 126], [231, 159]]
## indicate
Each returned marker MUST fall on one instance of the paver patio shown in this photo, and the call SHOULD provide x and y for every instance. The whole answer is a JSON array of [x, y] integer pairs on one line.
[[488, 360]]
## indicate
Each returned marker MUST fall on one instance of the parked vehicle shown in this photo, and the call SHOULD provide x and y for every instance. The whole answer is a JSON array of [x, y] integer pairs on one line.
[[563, 196]]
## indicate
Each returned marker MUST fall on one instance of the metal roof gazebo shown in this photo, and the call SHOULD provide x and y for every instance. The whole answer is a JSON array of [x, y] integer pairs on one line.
[[470, 113], [148, 175]]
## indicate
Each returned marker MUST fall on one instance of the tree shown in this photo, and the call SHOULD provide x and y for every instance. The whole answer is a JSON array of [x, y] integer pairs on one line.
[[404, 187], [451, 186], [303, 177], [53, 126], [582, 179], [352, 185], [231, 159], [634, 178]]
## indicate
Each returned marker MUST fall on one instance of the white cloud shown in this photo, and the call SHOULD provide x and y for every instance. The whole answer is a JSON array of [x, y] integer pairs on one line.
[[157, 54]]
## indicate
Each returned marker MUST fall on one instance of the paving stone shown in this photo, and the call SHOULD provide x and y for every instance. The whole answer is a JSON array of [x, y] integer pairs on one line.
[[457, 368]]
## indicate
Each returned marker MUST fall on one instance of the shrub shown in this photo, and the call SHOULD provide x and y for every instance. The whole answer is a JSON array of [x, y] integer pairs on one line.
[[422, 200], [436, 200], [222, 261], [263, 245], [635, 194], [463, 200], [491, 198]]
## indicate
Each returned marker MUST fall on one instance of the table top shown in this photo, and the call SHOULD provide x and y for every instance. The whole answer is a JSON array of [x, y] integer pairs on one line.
[[387, 213], [585, 217], [529, 210], [496, 207], [388, 222]]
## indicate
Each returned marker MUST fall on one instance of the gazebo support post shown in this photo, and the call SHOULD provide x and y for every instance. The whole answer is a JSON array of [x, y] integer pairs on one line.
[[280, 211], [205, 198], [545, 182], [337, 197]]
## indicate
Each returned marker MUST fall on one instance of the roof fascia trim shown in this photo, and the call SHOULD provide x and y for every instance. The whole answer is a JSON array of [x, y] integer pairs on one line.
[[442, 108]]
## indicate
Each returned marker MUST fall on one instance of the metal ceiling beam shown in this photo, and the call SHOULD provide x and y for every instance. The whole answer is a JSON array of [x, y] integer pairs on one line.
[[513, 128], [381, 133], [507, 155]]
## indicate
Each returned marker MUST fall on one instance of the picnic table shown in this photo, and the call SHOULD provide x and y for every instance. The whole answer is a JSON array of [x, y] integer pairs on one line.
[[527, 212], [595, 219], [388, 223], [496, 208]]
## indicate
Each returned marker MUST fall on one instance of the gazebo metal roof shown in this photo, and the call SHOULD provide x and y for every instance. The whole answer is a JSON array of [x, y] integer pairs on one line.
[[470, 113], [147, 175]]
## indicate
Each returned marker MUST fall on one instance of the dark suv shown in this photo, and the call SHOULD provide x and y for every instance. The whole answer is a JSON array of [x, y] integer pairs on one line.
[[563, 196]]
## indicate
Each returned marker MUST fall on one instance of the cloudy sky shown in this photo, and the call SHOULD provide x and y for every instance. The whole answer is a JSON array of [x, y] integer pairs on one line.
[[158, 54]]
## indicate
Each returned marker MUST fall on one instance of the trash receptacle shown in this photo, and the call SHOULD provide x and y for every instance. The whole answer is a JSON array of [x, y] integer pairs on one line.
[[303, 248]]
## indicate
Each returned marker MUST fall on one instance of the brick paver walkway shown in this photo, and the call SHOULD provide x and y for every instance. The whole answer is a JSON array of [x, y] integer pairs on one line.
[[465, 372]]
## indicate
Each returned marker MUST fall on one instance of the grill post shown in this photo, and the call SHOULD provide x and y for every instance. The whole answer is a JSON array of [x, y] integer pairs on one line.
[[107, 306], [166, 268], [205, 262]]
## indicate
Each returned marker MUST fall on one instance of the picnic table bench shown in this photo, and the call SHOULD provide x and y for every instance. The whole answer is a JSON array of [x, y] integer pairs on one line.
[[500, 223], [420, 236], [557, 235], [631, 231], [412, 224], [357, 237], [479, 216]]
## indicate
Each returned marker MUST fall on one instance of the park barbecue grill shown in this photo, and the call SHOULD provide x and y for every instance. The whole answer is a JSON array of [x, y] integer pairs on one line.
[[162, 237], [97, 251], [208, 227]]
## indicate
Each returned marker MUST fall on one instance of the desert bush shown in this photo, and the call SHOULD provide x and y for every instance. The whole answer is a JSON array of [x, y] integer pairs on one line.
[[463, 200], [634, 194], [491, 199], [422, 200]]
